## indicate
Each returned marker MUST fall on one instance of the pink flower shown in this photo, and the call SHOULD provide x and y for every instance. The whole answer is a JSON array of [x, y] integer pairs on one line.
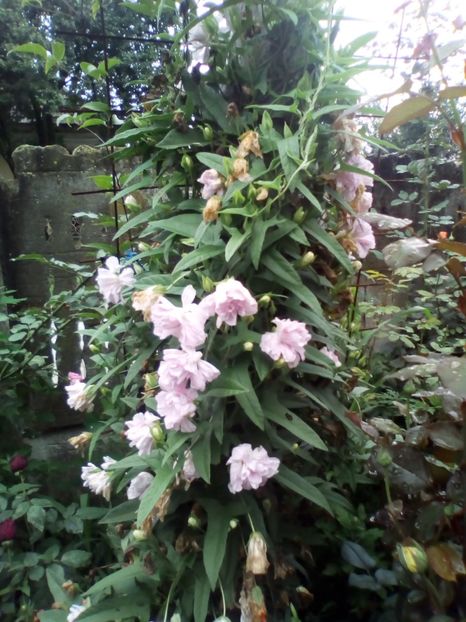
[[287, 342], [186, 323], [348, 182], [250, 468], [74, 377], [111, 280], [177, 409], [80, 396], [363, 237], [139, 432], [332, 355], [230, 300], [98, 479], [139, 484], [184, 370], [213, 183]]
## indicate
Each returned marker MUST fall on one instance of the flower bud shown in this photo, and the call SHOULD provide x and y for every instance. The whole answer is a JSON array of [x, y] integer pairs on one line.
[[194, 522], [238, 198], [157, 432], [262, 195], [299, 216], [187, 162], [252, 193], [248, 346], [412, 556], [240, 169], [93, 348], [307, 259], [207, 284], [357, 265], [280, 364], [256, 561], [18, 463], [70, 588], [384, 457], [150, 381], [222, 619], [207, 132], [265, 300], [234, 523], [139, 535]]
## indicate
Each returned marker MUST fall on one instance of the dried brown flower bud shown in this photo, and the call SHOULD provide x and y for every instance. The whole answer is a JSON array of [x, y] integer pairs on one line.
[[81, 441], [262, 195], [249, 144], [240, 170], [256, 561], [212, 208], [232, 110]]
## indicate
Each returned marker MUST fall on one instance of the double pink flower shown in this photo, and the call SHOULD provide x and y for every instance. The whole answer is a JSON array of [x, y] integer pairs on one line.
[[287, 342]]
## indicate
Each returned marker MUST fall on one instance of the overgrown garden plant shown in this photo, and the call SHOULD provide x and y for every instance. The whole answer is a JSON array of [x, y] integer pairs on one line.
[[215, 392]]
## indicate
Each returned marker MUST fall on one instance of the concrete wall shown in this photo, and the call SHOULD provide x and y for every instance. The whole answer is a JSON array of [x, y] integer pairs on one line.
[[37, 208]]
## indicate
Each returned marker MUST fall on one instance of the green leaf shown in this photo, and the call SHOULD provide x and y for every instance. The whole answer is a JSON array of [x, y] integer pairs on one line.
[[201, 452], [329, 242], [286, 419], [122, 581], [257, 242], [201, 597], [300, 485], [55, 579], [174, 139], [31, 48], [411, 108], [198, 256], [309, 196], [184, 225], [225, 386], [52, 615], [215, 539], [248, 401], [58, 50], [36, 517], [137, 365], [123, 513], [452, 92], [76, 558], [96, 107], [162, 480], [357, 556], [212, 160], [237, 238], [128, 606], [288, 150]]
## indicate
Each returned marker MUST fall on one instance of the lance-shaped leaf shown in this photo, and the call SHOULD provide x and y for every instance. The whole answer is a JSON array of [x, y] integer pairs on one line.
[[410, 109]]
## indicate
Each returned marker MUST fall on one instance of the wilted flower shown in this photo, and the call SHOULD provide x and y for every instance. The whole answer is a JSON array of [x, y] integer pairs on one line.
[[213, 183], [240, 170], [230, 300], [143, 301], [249, 143], [139, 484], [347, 134], [198, 43], [81, 441], [332, 355], [362, 237], [256, 561], [111, 280], [287, 342], [348, 182], [189, 472], [98, 479], [75, 612], [18, 463], [7, 530], [262, 195], [362, 202], [177, 408], [185, 370], [80, 396], [211, 209], [185, 322], [139, 432], [250, 468]]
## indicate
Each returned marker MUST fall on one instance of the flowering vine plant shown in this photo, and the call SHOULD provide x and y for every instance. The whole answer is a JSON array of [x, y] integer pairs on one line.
[[217, 370]]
